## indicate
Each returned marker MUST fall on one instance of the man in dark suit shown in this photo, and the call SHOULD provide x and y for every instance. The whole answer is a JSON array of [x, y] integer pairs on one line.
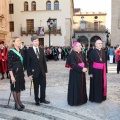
[[37, 69]]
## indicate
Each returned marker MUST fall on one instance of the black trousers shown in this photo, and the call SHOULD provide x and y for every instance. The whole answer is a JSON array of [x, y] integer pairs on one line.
[[39, 82], [118, 66]]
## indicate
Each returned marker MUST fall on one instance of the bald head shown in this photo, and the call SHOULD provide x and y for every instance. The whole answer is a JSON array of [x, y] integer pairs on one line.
[[77, 47], [98, 44]]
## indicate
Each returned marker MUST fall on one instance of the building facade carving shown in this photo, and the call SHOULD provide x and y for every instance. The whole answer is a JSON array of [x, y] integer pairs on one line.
[[4, 21]]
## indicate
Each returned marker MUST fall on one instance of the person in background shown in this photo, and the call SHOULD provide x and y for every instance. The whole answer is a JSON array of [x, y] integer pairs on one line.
[[3, 60], [111, 54], [118, 59]]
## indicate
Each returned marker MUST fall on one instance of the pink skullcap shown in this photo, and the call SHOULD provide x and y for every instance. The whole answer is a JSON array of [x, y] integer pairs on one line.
[[75, 43]]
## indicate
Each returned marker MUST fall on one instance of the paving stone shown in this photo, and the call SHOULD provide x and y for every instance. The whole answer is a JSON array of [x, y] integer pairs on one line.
[[56, 93]]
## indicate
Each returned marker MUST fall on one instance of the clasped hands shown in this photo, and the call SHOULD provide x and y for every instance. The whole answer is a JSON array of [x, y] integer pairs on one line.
[[84, 69]]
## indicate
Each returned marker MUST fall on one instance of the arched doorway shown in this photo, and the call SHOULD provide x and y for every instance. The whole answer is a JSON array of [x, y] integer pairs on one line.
[[83, 40], [93, 39]]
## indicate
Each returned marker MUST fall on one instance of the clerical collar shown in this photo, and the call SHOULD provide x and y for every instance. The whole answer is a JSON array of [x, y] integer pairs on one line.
[[76, 51], [98, 49]]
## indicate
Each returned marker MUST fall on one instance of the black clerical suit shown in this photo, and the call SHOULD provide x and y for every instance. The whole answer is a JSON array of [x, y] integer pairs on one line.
[[37, 67]]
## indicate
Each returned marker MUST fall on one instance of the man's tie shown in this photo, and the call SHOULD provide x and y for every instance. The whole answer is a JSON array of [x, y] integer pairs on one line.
[[37, 53]]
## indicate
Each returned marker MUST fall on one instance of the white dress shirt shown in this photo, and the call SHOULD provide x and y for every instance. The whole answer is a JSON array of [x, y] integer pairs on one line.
[[34, 48]]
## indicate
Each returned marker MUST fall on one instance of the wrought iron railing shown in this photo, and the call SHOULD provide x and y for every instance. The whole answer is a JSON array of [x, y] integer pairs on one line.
[[36, 30], [91, 29]]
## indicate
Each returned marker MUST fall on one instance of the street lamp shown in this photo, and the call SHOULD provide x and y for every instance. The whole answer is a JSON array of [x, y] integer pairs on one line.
[[107, 36], [49, 23]]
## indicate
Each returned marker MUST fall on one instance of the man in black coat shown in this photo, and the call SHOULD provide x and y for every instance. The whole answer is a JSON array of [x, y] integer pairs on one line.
[[37, 69]]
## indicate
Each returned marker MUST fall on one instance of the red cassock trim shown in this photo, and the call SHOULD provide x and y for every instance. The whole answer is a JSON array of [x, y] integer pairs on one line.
[[67, 66]]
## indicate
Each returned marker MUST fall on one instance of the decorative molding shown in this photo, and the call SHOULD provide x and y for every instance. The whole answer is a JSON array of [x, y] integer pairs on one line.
[[3, 32], [1, 16]]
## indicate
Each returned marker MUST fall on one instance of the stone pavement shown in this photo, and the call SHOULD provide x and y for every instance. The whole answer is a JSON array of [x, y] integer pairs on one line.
[[57, 83]]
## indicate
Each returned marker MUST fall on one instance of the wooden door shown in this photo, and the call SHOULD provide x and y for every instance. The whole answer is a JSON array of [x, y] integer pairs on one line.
[[30, 25]]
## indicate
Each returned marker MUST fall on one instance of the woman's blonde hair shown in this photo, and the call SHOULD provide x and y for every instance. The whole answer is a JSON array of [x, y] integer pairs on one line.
[[11, 42]]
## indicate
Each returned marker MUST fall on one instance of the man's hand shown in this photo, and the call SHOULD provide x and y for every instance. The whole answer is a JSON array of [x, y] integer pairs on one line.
[[84, 69], [31, 77], [91, 75]]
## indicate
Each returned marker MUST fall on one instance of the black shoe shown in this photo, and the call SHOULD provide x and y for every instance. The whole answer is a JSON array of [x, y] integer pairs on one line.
[[22, 106], [18, 108], [2, 77], [45, 101], [37, 103]]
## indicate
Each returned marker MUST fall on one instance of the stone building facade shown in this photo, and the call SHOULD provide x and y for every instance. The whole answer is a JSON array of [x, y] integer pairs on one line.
[[115, 23], [89, 26], [30, 17], [4, 21]]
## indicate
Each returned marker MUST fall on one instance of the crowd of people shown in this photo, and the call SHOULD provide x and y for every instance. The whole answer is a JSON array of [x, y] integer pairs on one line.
[[18, 57]]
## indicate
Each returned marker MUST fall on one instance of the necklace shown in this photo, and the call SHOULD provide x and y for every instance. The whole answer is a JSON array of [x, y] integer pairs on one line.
[[100, 56]]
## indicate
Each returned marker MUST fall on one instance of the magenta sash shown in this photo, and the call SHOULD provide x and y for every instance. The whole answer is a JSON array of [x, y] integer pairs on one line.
[[81, 64], [103, 67]]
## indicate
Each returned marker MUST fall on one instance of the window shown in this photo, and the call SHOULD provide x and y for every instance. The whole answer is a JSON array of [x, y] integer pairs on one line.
[[11, 9], [82, 23], [11, 26], [33, 6], [25, 6], [96, 26], [30, 25], [48, 5], [56, 5]]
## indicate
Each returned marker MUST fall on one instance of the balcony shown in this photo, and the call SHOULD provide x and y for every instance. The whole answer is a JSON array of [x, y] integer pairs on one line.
[[31, 31], [92, 30]]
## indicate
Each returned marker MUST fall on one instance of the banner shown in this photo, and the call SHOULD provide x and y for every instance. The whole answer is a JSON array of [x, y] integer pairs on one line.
[[40, 31]]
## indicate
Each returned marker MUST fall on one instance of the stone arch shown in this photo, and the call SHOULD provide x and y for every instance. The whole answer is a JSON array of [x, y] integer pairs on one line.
[[93, 39], [83, 40]]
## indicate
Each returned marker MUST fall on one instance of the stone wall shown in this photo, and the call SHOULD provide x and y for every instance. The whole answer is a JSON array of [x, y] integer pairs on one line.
[[4, 21], [115, 23]]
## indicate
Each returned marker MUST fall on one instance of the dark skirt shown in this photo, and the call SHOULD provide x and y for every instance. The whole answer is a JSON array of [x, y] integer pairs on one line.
[[18, 73]]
